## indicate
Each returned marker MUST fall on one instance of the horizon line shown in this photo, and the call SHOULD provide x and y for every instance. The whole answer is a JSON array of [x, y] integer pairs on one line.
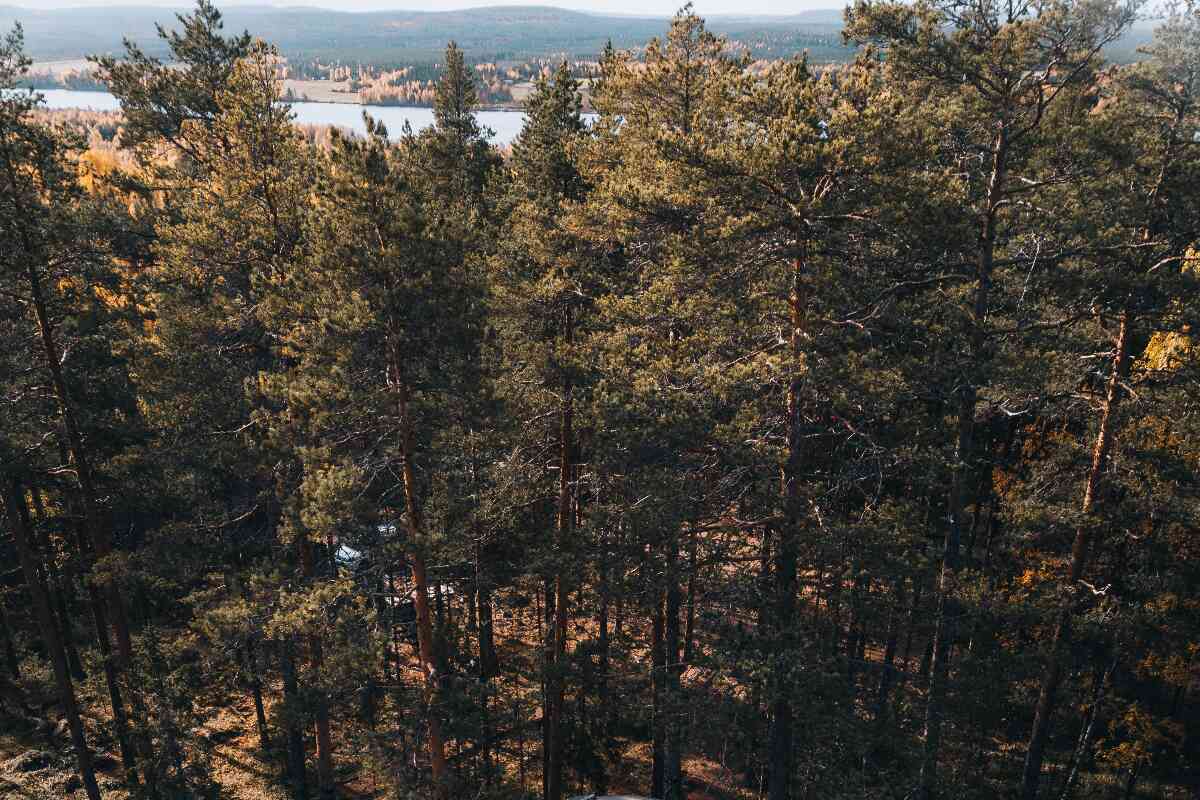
[[294, 7]]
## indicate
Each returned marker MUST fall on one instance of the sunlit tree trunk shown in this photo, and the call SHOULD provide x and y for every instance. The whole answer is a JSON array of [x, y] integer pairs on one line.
[[783, 613], [1080, 551], [658, 688], [673, 669], [427, 650], [557, 634], [97, 531]]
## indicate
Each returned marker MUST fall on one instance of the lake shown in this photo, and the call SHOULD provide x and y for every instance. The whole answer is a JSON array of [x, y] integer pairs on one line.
[[504, 124]]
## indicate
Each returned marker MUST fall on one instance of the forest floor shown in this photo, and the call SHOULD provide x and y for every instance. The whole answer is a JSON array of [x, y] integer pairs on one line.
[[36, 765], [36, 760]]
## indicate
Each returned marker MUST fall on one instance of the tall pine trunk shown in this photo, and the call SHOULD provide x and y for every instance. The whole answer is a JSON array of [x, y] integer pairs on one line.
[[1090, 726], [782, 616], [426, 647], [489, 665], [556, 635], [602, 680], [485, 630], [100, 622], [18, 520], [689, 634], [260, 716], [292, 721], [673, 671], [887, 675], [324, 740], [116, 702], [658, 661], [98, 534], [97, 531], [55, 585], [1080, 550], [946, 621], [10, 650]]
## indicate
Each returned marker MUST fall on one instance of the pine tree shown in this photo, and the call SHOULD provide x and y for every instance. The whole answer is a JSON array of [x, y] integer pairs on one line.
[[1138, 218], [160, 101], [229, 230], [17, 515], [999, 69], [652, 320], [833, 423], [544, 281], [58, 247]]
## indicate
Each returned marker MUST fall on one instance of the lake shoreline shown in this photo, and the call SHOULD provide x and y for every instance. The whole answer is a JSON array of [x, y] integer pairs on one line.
[[504, 123], [515, 109]]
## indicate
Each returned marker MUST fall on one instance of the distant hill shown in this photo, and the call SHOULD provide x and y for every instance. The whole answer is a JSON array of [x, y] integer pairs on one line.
[[409, 37]]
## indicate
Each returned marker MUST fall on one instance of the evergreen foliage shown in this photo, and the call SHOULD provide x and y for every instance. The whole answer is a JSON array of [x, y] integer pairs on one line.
[[784, 431]]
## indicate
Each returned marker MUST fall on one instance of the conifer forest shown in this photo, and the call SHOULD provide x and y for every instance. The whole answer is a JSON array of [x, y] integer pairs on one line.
[[795, 432]]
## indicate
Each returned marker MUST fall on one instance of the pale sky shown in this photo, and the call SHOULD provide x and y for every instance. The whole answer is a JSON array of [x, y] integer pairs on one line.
[[640, 7]]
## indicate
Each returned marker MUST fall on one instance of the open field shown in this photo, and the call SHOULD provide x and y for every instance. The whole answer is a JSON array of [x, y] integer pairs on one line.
[[59, 67], [320, 91]]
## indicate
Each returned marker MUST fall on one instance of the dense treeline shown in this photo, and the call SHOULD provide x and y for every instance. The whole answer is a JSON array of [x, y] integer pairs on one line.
[[394, 39], [775, 435]]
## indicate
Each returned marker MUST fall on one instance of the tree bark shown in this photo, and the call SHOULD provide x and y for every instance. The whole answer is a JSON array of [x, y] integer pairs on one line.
[[116, 702], [488, 662], [605, 710], [782, 615], [888, 674], [557, 634], [1088, 734], [657, 679], [260, 716], [911, 625], [100, 622], [321, 722], [98, 533], [1080, 550], [54, 583], [689, 636], [673, 669], [18, 521], [855, 633], [324, 740], [425, 644]]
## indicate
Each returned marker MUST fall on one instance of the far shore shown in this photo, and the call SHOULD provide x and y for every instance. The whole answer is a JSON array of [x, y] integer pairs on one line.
[[326, 101], [514, 107]]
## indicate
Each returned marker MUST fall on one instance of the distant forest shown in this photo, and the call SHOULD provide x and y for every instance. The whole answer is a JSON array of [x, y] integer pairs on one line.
[[389, 39]]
